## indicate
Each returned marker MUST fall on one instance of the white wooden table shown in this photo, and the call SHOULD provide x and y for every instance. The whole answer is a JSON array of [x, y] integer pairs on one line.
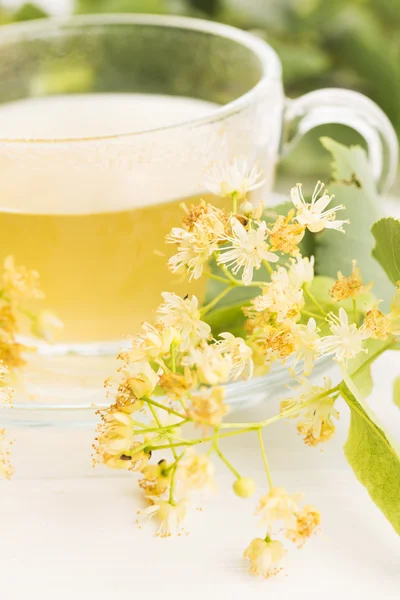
[[77, 538]]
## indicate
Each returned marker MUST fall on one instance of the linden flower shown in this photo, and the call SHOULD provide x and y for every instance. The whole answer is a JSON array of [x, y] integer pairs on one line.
[[276, 342], [326, 433], [313, 215], [239, 352], [6, 469], [141, 379], [264, 556], [176, 385], [20, 282], [47, 325], [377, 324], [235, 178], [170, 516], [152, 343], [156, 479], [280, 297], [116, 433], [349, 287], [306, 523], [318, 422], [247, 250], [380, 326], [196, 471], [286, 236], [317, 425], [184, 316], [212, 219], [212, 366], [124, 399], [301, 271], [129, 460], [278, 505], [194, 249], [346, 341], [208, 407], [306, 344]]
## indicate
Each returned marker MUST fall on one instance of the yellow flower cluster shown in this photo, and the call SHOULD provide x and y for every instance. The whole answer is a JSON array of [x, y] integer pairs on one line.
[[349, 287], [299, 523], [315, 407], [172, 373], [175, 371], [18, 285]]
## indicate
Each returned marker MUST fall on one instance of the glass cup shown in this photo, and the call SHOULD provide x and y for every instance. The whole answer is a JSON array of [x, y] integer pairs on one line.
[[107, 123]]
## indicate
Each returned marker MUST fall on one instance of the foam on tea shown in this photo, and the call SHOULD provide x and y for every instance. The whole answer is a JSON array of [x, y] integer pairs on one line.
[[93, 241]]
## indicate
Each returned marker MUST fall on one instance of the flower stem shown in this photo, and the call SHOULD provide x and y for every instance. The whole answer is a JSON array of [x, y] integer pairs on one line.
[[268, 267], [171, 499], [225, 460], [260, 437], [232, 281], [247, 427], [229, 275], [314, 300], [234, 202], [307, 313], [281, 415], [259, 284], [222, 279], [167, 428], [162, 407], [355, 314], [215, 301], [157, 420]]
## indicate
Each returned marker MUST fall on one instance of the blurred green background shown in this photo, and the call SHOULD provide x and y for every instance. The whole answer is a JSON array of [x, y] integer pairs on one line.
[[352, 44]]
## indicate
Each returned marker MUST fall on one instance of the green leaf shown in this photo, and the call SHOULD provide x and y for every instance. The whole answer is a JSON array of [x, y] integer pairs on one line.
[[227, 318], [128, 6], [373, 458], [350, 165], [355, 189], [387, 249], [359, 368], [396, 391], [28, 12]]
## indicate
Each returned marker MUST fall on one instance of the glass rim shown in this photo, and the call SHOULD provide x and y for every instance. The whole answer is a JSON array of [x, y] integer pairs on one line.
[[269, 62]]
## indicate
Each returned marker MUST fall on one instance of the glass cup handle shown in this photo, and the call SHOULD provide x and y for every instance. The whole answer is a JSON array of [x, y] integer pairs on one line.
[[355, 111]]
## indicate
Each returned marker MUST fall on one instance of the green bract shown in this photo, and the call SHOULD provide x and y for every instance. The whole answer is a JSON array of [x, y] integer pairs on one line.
[[387, 249], [373, 458]]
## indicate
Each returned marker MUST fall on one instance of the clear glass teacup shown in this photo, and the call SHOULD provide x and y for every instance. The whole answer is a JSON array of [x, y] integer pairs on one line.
[[108, 123]]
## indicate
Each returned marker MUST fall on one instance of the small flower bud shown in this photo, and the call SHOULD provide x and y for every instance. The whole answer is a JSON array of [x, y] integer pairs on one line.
[[247, 208], [244, 487]]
